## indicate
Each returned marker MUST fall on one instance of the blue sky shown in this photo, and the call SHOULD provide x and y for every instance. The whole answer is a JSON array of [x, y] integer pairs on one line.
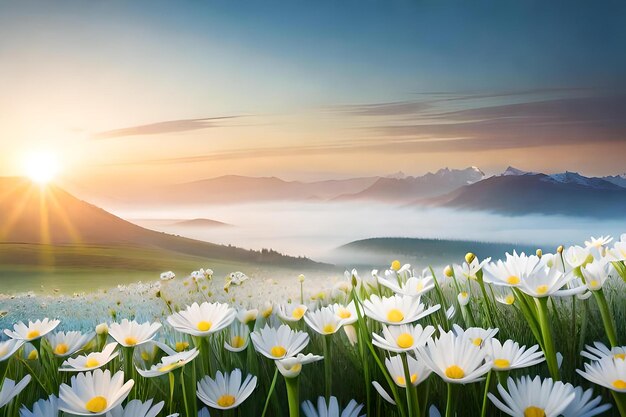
[[297, 76]]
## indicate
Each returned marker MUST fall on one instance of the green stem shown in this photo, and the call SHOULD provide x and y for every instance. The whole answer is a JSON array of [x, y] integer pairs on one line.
[[487, 383], [411, 395], [328, 370], [620, 401], [293, 396], [172, 384], [270, 392], [544, 324], [607, 320], [185, 400], [450, 401]]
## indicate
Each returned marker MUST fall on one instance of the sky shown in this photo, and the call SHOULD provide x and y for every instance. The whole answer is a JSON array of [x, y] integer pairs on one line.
[[143, 93]]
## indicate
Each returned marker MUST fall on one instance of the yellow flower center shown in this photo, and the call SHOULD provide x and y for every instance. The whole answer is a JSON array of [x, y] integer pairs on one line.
[[169, 367], [513, 280], [204, 326], [594, 284], [509, 299], [420, 286], [61, 349], [91, 363], [396, 265], [533, 411], [464, 294], [542, 289], [402, 382], [180, 346], [455, 372], [619, 384], [33, 355], [621, 356], [344, 313], [405, 341], [226, 400], [328, 328], [297, 313], [395, 316], [278, 351], [501, 363], [130, 341], [477, 341], [237, 341], [33, 334], [146, 356], [296, 368], [96, 404]]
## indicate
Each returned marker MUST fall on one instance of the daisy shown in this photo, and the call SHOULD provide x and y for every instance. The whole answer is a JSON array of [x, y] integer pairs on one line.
[[11, 390], [291, 367], [331, 409], [279, 343], [345, 313], [512, 271], [136, 408], [463, 298], [454, 358], [470, 267], [544, 282], [226, 391], [599, 242], [94, 393], [43, 408], [203, 319], [167, 276], [577, 256], [600, 351], [67, 343], [584, 406], [396, 309], [169, 363], [596, 274], [417, 370], [91, 361], [618, 252], [510, 355], [477, 335], [503, 295], [534, 397], [323, 321], [130, 333], [291, 312], [403, 338], [9, 347], [414, 286], [34, 331], [247, 316], [239, 337], [608, 372]]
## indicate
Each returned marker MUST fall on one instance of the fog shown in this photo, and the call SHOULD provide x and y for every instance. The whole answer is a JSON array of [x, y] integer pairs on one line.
[[316, 229]]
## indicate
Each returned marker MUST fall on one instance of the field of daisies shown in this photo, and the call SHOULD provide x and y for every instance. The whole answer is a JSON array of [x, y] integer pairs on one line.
[[531, 335]]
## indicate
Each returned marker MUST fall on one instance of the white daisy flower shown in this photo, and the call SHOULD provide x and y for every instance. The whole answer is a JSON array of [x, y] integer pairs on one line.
[[238, 338], [454, 358], [331, 409], [510, 355], [544, 282], [511, 272], [91, 361], [617, 252], [418, 371], [226, 391], [469, 269], [247, 316], [64, 344], [463, 298], [600, 351], [279, 343], [136, 408], [598, 242], [608, 372], [503, 295], [130, 333], [584, 406], [203, 319], [596, 274], [94, 393], [291, 312], [167, 276], [46, 407], [396, 309], [534, 397], [477, 335], [414, 286], [345, 313], [403, 338], [11, 390], [292, 366], [577, 256], [323, 321], [9, 347], [169, 363], [34, 331]]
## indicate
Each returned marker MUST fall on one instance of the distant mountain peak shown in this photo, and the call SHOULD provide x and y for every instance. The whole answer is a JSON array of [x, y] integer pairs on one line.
[[397, 175], [515, 171]]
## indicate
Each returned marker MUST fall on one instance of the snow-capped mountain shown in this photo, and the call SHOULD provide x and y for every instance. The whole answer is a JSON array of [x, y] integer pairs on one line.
[[617, 179], [514, 171]]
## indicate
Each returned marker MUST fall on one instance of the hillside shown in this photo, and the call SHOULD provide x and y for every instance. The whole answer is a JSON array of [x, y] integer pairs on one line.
[[200, 223]]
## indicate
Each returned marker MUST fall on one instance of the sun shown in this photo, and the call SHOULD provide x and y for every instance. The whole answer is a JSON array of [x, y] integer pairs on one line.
[[41, 167]]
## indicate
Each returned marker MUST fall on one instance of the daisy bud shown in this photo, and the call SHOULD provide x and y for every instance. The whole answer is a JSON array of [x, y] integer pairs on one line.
[[560, 249], [396, 265], [301, 278], [463, 298], [469, 257], [447, 271], [102, 328], [539, 253]]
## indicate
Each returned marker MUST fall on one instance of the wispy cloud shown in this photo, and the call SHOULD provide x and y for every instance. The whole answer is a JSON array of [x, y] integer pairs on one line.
[[169, 126]]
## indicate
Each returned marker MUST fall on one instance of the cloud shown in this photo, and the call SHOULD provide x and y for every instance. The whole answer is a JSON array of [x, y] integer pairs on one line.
[[169, 126]]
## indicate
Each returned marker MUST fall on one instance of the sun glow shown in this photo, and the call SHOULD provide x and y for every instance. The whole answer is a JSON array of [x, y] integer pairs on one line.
[[41, 167]]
